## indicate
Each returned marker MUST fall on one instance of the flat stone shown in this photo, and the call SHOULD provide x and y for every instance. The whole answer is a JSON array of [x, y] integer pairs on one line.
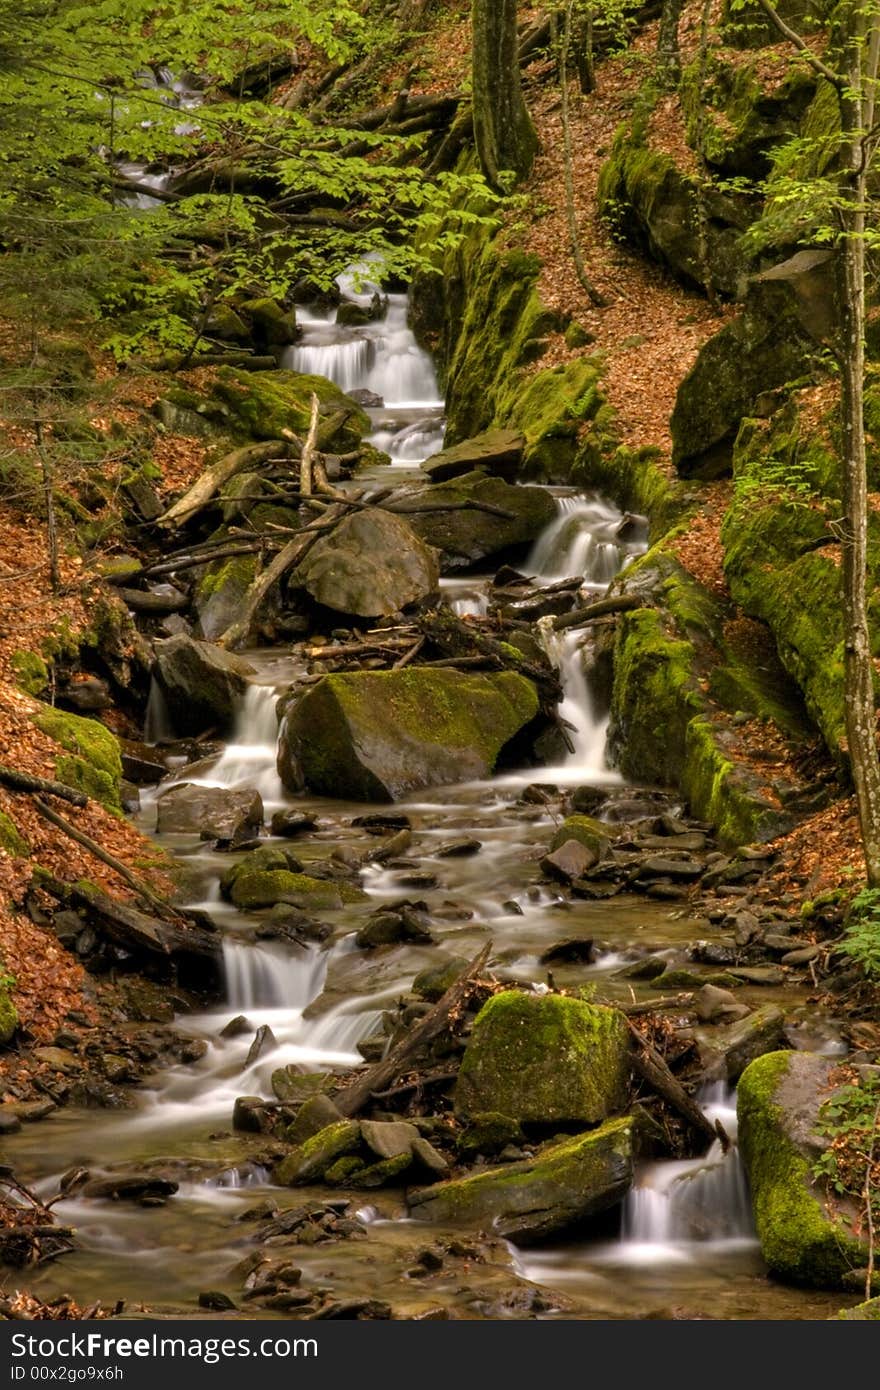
[[389, 1138], [217, 813], [802, 956], [496, 451], [663, 866], [759, 974], [458, 849]]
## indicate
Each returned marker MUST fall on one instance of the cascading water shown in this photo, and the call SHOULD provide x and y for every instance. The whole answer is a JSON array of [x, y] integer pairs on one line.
[[249, 760]]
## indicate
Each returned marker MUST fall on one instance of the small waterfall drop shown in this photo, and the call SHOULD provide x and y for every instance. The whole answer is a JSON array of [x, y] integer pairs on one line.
[[700, 1200], [271, 976], [249, 759]]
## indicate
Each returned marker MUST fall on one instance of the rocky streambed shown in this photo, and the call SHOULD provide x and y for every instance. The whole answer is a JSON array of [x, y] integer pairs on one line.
[[473, 1008]]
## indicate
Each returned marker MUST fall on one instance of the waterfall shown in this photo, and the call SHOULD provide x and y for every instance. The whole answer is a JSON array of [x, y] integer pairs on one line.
[[703, 1199], [588, 732], [271, 975], [590, 539], [323, 351], [249, 759]]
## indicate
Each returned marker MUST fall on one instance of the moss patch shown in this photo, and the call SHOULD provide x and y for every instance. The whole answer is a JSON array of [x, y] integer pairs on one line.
[[93, 763], [31, 672], [544, 1060], [10, 839]]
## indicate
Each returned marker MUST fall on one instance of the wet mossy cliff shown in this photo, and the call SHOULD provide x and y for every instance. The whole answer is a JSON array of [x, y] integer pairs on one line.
[[701, 674]]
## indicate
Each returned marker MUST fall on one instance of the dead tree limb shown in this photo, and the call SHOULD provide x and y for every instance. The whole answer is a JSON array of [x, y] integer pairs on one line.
[[383, 1074], [210, 482], [652, 1068], [618, 603], [24, 782]]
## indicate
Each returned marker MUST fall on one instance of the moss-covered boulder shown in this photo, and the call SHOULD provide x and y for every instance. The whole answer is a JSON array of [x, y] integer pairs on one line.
[[775, 340], [375, 735], [311, 1160], [494, 451], [590, 833], [31, 672], [684, 222], [92, 762], [11, 841], [560, 1189], [220, 591], [271, 325], [261, 405], [737, 113], [544, 1060], [862, 1312], [202, 684], [372, 565], [806, 1234], [464, 533], [8, 1012], [271, 875]]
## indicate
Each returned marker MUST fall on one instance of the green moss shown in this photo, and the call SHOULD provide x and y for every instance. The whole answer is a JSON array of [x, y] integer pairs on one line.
[[93, 764], [31, 671], [8, 1011], [263, 404], [862, 1312], [10, 840], [801, 1240], [717, 792], [378, 1174], [590, 833], [264, 888], [312, 1159], [544, 1060]]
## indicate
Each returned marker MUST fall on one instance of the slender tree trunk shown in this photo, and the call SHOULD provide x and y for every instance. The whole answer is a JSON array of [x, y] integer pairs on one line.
[[505, 137], [570, 209], [668, 52], [858, 666], [584, 56]]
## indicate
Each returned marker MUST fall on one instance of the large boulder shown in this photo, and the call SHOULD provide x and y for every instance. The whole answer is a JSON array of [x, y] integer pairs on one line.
[[91, 761], [727, 1051], [773, 341], [559, 1189], [806, 1232], [495, 451], [372, 565], [271, 875], [218, 813], [507, 517], [261, 405], [201, 683], [376, 735], [545, 1059]]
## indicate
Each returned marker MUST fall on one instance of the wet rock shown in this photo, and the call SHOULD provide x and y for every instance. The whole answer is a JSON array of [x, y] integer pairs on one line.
[[648, 968], [802, 956], [574, 950], [664, 866], [713, 953], [769, 975], [392, 847], [458, 849], [9, 1124], [544, 1060], [373, 564], [202, 684], [216, 1301], [433, 982], [429, 1158], [294, 1087], [498, 452], [271, 875], [129, 1187], [374, 736], [287, 923], [590, 833], [561, 1187], [264, 1041], [248, 1114], [236, 1027], [689, 979], [806, 1233], [388, 927], [380, 823], [729, 1051], [571, 860], [288, 825], [215, 813], [464, 534], [311, 1160]]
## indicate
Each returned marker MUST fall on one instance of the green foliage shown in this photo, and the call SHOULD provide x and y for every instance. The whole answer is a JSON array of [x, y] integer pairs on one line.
[[862, 939], [790, 481], [848, 1122]]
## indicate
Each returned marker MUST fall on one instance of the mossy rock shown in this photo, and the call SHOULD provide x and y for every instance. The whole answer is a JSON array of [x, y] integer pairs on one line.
[[270, 875], [220, 592], [311, 1160], [30, 671], [10, 840], [862, 1312], [487, 1134], [560, 1189], [373, 736], [8, 1011], [373, 565], [806, 1236], [590, 833], [271, 324], [544, 1060], [736, 118], [203, 685], [93, 763], [433, 982], [260, 405]]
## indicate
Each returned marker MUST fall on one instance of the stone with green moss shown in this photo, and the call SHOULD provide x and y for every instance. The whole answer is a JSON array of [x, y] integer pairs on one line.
[[545, 1060], [92, 763], [10, 839], [807, 1236], [250, 886], [261, 405], [488, 1133], [220, 592], [271, 324], [375, 735], [30, 671], [8, 1011], [387, 1170], [862, 1312], [592, 834], [311, 1160], [560, 1189]]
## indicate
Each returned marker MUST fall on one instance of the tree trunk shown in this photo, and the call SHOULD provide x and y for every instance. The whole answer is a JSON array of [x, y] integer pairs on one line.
[[858, 665], [668, 52], [505, 136]]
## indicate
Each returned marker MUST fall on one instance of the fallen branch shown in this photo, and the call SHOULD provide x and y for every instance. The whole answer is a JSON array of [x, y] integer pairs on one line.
[[652, 1068], [383, 1074], [86, 841], [619, 603], [24, 782], [131, 928], [210, 482]]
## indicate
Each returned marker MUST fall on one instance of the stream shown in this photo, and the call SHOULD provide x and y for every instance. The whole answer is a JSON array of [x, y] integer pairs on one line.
[[685, 1243]]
